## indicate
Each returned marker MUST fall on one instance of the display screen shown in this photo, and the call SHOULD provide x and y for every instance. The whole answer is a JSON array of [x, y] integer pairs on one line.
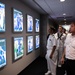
[[2, 52], [37, 41], [2, 17], [18, 47], [37, 25], [29, 43], [29, 23], [18, 20]]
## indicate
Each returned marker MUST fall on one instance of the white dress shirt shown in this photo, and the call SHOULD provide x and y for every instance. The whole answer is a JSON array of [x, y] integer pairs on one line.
[[70, 47]]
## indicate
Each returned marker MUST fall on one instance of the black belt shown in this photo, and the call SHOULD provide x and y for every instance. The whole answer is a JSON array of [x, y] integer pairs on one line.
[[70, 59]]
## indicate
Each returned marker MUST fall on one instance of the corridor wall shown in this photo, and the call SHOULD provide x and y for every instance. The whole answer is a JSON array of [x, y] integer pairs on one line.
[[13, 67]]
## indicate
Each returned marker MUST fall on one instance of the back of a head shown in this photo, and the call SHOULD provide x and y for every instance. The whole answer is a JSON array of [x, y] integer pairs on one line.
[[52, 29]]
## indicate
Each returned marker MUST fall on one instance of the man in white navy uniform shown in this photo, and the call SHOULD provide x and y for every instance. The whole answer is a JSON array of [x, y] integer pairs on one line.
[[51, 53], [60, 37], [69, 51]]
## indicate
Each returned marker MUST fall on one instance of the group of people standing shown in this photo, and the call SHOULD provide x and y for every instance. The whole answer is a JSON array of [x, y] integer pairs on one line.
[[61, 50]]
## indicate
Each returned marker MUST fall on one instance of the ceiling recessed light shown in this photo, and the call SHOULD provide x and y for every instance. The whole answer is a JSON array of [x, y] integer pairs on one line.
[[64, 13], [62, 0], [64, 19]]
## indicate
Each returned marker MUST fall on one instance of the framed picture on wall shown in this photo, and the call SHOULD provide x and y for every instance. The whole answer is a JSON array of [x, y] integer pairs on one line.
[[29, 44], [37, 25], [29, 23], [2, 17], [2, 52], [17, 21], [37, 40], [18, 47]]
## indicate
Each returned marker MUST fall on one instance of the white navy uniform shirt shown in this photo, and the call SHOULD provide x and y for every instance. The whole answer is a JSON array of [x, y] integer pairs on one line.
[[51, 42], [60, 43], [70, 47]]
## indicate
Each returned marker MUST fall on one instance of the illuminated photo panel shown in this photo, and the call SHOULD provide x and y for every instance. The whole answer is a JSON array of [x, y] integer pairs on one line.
[[29, 44], [37, 25], [2, 17], [18, 21], [29, 23], [2, 52], [18, 47], [37, 39]]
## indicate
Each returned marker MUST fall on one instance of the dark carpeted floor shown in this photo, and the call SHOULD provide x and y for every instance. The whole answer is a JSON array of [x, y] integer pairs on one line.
[[39, 67]]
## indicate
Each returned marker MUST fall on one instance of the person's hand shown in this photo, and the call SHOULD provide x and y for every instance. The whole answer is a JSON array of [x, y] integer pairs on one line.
[[62, 60], [51, 56]]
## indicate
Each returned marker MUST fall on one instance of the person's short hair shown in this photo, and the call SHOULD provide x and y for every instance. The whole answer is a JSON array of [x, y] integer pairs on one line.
[[52, 28], [73, 22], [60, 26]]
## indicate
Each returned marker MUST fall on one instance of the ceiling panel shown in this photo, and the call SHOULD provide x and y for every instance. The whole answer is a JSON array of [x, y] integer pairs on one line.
[[33, 5], [54, 8], [44, 5]]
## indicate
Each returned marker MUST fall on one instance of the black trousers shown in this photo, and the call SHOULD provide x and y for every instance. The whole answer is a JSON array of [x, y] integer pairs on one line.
[[70, 66], [60, 70]]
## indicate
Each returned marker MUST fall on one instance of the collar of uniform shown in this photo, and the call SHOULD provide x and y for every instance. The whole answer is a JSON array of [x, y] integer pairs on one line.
[[52, 34]]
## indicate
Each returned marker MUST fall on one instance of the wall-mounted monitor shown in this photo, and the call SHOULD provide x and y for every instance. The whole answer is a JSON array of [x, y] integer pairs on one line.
[[18, 47], [37, 25], [29, 23], [2, 17], [37, 40], [17, 21], [2, 52], [29, 44]]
